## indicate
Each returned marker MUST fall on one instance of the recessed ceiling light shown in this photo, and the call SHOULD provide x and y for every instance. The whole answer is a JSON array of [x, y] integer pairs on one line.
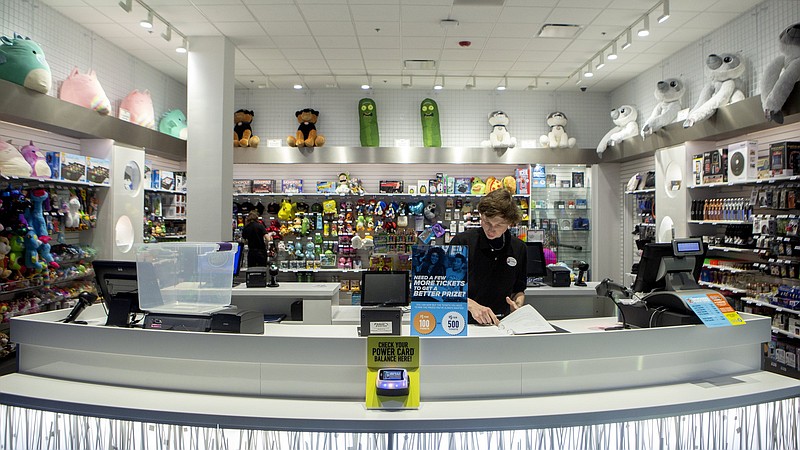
[[365, 86], [559, 30], [298, 86]]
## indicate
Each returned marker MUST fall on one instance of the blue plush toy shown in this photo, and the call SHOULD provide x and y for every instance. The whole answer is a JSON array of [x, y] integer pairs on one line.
[[22, 62], [32, 244]]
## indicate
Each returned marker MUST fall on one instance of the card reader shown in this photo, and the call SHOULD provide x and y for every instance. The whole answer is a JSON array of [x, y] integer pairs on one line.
[[392, 382]]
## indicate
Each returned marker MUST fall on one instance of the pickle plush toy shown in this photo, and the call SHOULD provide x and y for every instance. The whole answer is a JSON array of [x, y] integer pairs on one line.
[[368, 122], [429, 113]]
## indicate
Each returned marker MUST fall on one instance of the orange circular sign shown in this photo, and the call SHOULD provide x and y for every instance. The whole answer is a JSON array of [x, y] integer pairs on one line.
[[424, 322]]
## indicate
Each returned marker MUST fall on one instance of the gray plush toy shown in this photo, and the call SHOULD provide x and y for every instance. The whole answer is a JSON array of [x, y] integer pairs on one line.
[[781, 74], [722, 89], [668, 93]]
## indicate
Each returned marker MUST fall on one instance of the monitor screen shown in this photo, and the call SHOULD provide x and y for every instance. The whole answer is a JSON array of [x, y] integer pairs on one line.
[[651, 273], [537, 267], [384, 288], [237, 261]]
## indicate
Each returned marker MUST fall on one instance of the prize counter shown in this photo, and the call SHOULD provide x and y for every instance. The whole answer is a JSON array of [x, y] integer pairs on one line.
[[312, 377]]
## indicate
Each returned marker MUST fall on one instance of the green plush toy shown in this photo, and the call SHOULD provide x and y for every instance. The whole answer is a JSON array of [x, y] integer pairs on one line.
[[429, 113], [368, 122], [22, 62]]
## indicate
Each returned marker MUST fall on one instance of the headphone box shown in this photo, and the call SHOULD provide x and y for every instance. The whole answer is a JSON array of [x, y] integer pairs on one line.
[[558, 276]]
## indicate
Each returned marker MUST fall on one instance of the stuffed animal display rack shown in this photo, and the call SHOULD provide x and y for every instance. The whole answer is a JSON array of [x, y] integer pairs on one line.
[[137, 108], [368, 123], [624, 119], [83, 89], [668, 93], [242, 131], [781, 74], [22, 62], [722, 88], [306, 135], [499, 137], [557, 137], [429, 114]]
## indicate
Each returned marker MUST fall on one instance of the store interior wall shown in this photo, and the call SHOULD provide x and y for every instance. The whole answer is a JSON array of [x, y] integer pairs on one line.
[[68, 44]]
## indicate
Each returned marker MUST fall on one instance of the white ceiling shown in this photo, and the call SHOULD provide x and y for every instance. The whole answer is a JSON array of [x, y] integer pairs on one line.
[[346, 43]]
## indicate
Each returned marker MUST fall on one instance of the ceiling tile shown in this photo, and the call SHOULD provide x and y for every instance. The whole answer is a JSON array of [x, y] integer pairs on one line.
[[305, 53], [292, 42], [272, 13], [449, 66], [382, 53], [506, 44], [580, 16], [381, 42], [384, 66], [225, 13], [375, 13], [284, 29], [476, 13], [408, 28], [711, 20], [301, 64], [196, 28], [471, 29], [264, 53], [345, 64], [180, 13], [547, 44], [337, 42], [538, 56], [254, 43], [492, 67], [342, 53], [341, 29], [367, 29], [687, 5], [241, 29], [524, 15], [85, 14], [324, 12], [422, 42], [462, 54], [528, 31], [434, 13], [420, 53], [618, 17], [501, 55]]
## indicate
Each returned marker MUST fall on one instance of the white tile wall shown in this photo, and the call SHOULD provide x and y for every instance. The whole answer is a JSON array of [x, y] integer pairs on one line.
[[754, 34], [463, 114], [67, 44]]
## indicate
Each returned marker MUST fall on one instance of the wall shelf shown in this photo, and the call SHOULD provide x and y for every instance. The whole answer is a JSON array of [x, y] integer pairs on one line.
[[22, 106]]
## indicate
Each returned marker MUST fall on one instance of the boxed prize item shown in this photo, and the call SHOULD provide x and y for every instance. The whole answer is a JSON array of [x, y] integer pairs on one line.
[[180, 181], [390, 187], [326, 187], [577, 179], [53, 160], [155, 179], [697, 169], [73, 167], [786, 155], [167, 180], [422, 187], [742, 160], [715, 166], [462, 186], [292, 186], [98, 170], [763, 171], [538, 176], [263, 186], [185, 278], [242, 186], [523, 177]]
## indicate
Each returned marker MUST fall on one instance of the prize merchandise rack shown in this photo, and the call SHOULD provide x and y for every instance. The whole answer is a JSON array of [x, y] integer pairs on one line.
[[559, 216]]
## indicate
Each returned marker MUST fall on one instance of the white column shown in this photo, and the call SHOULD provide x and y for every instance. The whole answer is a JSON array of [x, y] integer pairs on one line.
[[209, 147]]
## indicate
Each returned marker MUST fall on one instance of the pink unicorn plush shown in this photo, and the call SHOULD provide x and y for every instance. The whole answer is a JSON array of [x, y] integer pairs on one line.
[[137, 108], [36, 159], [83, 89]]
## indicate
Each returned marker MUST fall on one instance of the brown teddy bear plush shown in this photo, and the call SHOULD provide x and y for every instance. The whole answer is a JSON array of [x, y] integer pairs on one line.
[[307, 131], [242, 133]]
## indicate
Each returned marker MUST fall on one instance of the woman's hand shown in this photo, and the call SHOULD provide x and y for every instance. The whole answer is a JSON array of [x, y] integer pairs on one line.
[[482, 314], [514, 304]]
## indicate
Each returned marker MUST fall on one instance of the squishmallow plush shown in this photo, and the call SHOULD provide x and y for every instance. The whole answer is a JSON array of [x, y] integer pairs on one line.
[[668, 93], [722, 89], [22, 62], [12, 163], [173, 123], [624, 119], [429, 114], [242, 131], [306, 135], [781, 74], [83, 89], [36, 159], [557, 137], [499, 137], [368, 123], [137, 108]]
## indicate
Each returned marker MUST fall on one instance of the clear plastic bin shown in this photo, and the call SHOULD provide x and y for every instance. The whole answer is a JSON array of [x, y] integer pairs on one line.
[[185, 277]]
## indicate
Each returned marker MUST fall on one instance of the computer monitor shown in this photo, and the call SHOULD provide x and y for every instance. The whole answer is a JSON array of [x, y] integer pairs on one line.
[[537, 267], [682, 256], [384, 288], [238, 257], [118, 285]]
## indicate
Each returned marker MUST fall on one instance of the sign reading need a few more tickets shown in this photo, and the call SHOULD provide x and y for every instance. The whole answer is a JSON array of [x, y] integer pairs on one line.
[[712, 309]]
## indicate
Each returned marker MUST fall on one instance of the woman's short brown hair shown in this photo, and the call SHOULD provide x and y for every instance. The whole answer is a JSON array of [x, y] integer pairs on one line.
[[500, 203]]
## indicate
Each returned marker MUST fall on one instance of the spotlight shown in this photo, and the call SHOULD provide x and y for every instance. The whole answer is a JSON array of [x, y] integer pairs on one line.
[[127, 5], [183, 47], [147, 23], [438, 83], [665, 15], [167, 35], [601, 61], [645, 31], [502, 85], [298, 86], [365, 86], [613, 55], [588, 73], [470, 83], [534, 84], [627, 43]]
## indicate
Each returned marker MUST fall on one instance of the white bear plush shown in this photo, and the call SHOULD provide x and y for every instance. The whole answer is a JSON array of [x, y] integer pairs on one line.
[[668, 93], [722, 88], [781, 74], [499, 137], [624, 118], [557, 137]]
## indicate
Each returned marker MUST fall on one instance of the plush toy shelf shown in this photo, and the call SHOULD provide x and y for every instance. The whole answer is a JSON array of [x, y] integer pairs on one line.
[[32, 109]]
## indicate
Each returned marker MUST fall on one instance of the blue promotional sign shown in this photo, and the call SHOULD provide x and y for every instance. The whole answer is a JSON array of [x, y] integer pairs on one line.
[[439, 290]]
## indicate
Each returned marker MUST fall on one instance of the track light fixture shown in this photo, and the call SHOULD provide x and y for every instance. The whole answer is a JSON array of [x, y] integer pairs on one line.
[[665, 13], [534, 84], [503, 84], [601, 61], [183, 48], [167, 35], [589, 73], [147, 23], [612, 55], [471, 83], [127, 5], [438, 83], [645, 30], [628, 40]]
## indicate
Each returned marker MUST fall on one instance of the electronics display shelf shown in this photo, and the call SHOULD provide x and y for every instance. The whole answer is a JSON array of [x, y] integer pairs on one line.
[[164, 191], [747, 182], [777, 308], [719, 222], [366, 194], [785, 333], [729, 269], [722, 287], [641, 191]]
